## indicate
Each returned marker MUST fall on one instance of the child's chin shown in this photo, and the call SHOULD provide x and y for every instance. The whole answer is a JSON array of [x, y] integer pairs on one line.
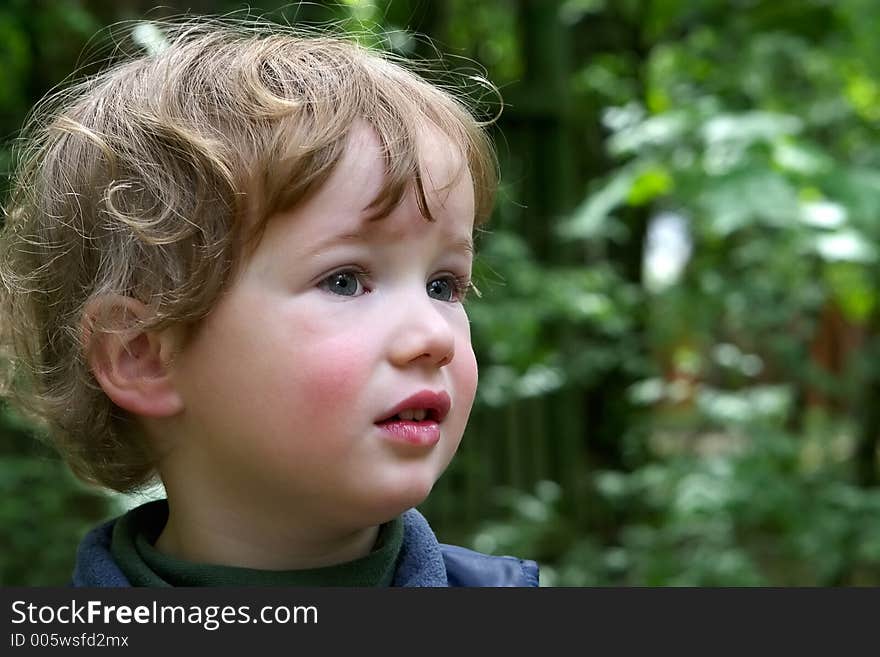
[[402, 497]]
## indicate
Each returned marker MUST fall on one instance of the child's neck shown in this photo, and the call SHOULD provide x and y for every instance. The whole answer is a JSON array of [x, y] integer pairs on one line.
[[220, 536]]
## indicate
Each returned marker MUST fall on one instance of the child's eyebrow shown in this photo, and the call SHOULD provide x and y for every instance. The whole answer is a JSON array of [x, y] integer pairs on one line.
[[319, 246], [463, 245]]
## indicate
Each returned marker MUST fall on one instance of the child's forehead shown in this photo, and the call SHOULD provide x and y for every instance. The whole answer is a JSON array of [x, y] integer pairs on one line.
[[441, 160], [363, 169], [340, 211]]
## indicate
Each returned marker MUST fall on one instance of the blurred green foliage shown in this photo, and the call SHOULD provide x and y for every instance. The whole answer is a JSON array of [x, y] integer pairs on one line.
[[760, 516], [684, 259], [742, 177], [44, 511]]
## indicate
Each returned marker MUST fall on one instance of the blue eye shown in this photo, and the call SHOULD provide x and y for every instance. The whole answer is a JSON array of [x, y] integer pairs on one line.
[[343, 283], [447, 288]]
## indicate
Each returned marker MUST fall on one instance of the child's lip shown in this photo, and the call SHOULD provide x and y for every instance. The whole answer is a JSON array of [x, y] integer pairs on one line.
[[417, 434], [437, 405]]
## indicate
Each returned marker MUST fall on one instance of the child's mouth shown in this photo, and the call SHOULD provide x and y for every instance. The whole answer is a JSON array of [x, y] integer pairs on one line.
[[416, 420], [414, 415], [424, 405], [420, 433]]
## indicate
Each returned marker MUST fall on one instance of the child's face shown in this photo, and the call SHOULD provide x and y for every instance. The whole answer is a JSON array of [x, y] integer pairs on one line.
[[332, 324]]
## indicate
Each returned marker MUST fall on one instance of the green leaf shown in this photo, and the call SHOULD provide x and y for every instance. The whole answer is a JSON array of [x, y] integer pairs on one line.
[[750, 127], [853, 289], [823, 214], [591, 219], [746, 197], [655, 131], [847, 245], [801, 158], [649, 184]]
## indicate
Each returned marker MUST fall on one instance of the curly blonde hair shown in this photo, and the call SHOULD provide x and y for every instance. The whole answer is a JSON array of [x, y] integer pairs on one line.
[[150, 179]]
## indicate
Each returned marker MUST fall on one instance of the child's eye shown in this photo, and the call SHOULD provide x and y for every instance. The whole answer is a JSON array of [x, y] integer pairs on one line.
[[344, 283], [447, 288]]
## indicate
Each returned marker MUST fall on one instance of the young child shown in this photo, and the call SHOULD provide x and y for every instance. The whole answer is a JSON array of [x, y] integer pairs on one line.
[[238, 263]]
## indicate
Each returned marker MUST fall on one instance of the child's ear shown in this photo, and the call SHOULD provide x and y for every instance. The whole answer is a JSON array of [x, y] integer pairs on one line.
[[131, 365]]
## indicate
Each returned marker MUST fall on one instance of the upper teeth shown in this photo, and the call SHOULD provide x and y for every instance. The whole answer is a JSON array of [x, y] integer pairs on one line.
[[413, 414]]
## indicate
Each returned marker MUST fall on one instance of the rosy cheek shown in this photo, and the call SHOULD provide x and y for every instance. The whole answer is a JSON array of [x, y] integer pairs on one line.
[[333, 375]]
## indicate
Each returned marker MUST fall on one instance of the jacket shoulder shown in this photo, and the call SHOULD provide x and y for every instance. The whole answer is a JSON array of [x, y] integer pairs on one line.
[[470, 568]]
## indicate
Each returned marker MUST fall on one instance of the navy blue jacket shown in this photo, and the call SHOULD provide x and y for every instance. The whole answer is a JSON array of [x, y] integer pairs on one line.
[[423, 561]]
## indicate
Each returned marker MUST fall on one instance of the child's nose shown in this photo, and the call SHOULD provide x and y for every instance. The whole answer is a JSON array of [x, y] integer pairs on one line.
[[424, 335]]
